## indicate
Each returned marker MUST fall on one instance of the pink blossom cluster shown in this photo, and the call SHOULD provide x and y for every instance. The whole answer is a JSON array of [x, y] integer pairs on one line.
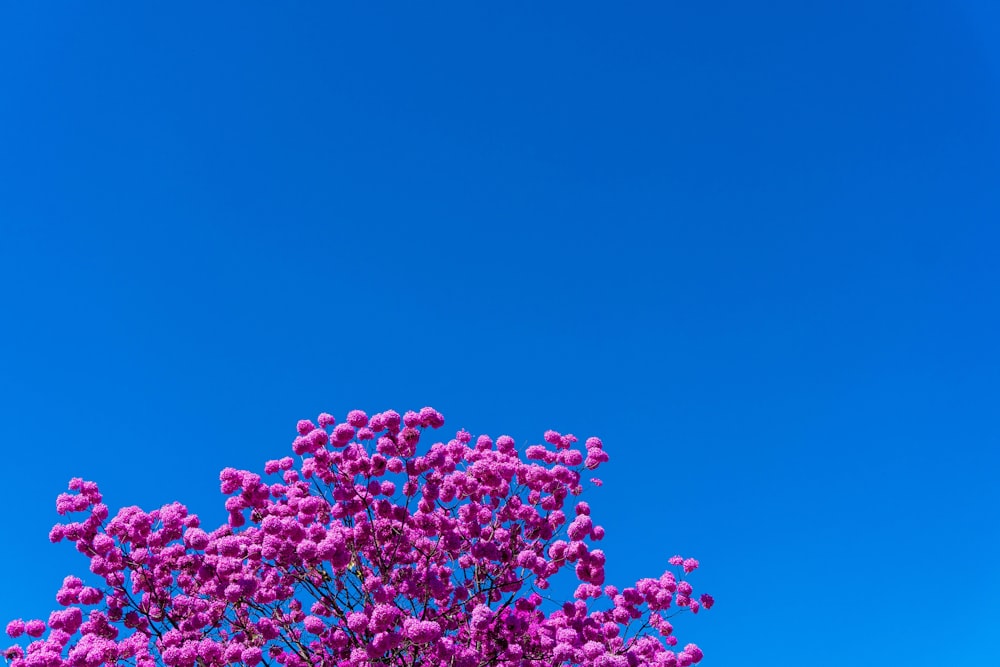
[[364, 549]]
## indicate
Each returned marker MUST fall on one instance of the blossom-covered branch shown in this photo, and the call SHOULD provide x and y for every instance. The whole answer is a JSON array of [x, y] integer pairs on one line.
[[364, 550]]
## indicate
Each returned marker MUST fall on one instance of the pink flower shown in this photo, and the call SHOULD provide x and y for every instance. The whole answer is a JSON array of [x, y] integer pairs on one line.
[[15, 628], [391, 420], [314, 625], [572, 457], [580, 527], [90, 595], [694, 652], [432, 418], [34, 628], [383, 617], [342, 433], [357, 621], [481, 617], [422, 632], [357, 418], [251, 656]]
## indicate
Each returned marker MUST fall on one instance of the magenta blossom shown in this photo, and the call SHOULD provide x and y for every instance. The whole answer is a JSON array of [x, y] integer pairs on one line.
[[370, 547]]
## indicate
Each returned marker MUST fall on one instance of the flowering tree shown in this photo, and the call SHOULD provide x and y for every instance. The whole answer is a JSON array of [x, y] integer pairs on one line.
[[364, 553]]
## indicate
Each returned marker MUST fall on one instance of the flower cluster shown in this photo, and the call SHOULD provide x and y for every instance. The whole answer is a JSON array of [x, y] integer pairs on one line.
[[366, 549]]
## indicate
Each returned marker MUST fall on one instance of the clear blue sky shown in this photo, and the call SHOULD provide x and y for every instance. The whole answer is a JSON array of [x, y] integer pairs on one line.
[[753, 246]]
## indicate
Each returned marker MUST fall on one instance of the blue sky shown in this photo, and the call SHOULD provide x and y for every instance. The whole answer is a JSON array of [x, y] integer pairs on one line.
[[753, 247]]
